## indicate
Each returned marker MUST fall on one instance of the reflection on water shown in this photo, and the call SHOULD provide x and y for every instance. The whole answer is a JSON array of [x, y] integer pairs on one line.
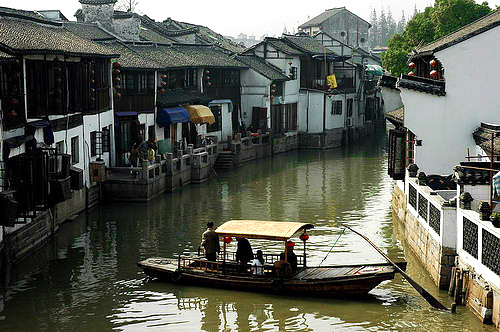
[[86, 278]]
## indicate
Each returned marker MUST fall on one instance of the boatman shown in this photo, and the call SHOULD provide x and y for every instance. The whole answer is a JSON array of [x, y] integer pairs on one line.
[[210, 243]]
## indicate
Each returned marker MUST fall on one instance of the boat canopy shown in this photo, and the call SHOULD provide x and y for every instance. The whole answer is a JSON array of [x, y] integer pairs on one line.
[[200, 114], [257, 229]]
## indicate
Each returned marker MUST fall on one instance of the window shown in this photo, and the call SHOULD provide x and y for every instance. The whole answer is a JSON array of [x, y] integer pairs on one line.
[[337, 107], [151, 133], [106, 139], [75, 151], [410, 148], [60, 147], [350, 102], [166, 132], [191, 78], [231, 77], [217, 125], [93, 143]]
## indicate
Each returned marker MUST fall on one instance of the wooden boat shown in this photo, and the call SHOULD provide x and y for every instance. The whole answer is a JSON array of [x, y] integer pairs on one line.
[[325, 281]]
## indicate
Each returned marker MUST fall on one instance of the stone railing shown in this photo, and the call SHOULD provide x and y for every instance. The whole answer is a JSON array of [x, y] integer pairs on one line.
[[478, 245], [433, 211]]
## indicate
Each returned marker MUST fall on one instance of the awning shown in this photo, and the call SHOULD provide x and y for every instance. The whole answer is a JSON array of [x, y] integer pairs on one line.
[[121, 114], [374, 70], [256, 229], [39, 124], [166, 116], [200, 114]]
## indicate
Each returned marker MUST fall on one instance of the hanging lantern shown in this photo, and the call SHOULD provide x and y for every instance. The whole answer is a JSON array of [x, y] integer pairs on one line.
[[163, 83], [207, 78], [412, 73], [92, 90], [162, 91], [227, 239], [12, 114], [273, 91], [412, 65], [290, 244], [118, 87], [304, 237], [207, 72], [118, 95], [433, 63], [116, 64], [92, 81], [274, 85], [209, 84], [116, 72], [434, 73], [290, 63], [117, 79], [14, 101], [163, 77]]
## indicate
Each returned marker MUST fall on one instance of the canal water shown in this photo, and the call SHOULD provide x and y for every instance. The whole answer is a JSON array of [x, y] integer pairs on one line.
[[86, 278]]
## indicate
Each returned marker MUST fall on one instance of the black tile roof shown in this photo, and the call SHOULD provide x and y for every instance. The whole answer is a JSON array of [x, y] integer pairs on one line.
[[130, 59], [397, 117], [176, 97], [388, 82], [423, 85], [97, 2], [88, 31], [475, 28], [465, 175], [187, 56], [23, 36], [482, 137], [282, 46], [316, 21], [263, 67], [307, 44], [149, 35]]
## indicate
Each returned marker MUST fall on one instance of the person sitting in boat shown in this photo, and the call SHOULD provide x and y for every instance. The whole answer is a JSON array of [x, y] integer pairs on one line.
[[244, 253], [258, 264], [210, 243], [290, 255]]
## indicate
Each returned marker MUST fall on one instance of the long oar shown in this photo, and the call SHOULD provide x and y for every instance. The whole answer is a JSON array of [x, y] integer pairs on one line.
[[425, 294]]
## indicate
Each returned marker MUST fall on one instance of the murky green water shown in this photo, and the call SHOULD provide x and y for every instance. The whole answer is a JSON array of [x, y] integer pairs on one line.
[[86, 279]]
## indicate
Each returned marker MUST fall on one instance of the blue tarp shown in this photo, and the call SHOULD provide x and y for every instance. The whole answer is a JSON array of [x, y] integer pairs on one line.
[[125, 113], [166, 116]]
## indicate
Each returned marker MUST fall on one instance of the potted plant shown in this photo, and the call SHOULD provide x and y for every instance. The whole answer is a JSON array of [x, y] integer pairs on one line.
[[495, 219]]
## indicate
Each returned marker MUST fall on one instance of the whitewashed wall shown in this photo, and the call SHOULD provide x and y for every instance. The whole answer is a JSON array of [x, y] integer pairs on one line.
[[392, 99], [255, 91], [445, 124]]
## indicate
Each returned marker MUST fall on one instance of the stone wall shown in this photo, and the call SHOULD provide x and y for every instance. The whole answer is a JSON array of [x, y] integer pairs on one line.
[[127, 28], [99, 13], [71, 207], [437, 260], [33, 235], [328, 140]]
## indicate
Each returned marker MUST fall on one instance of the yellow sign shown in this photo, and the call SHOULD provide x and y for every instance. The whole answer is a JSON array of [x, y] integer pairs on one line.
[[332, 81]]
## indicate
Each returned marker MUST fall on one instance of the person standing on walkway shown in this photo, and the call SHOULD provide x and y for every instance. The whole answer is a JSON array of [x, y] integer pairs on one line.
[[210, 243]]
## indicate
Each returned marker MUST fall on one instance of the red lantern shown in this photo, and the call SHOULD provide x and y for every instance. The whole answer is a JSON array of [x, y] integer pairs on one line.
[[118, 95], [163, 83], [92, 81], [433, 63], [116, 72], [162, 91], [12, 114], [273, 91], [116, 64], [290, 244], [117, 79], [274, 85], [412, 73], [14, 101], [117, 87], [434, 73], [207, 78], [207, 72], [227, 239], [412, 65], [290, 63], [304, 237], [163, 77], [209, 83]]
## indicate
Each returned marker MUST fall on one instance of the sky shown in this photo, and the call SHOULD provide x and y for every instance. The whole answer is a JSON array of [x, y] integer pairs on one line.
[[232, 17]]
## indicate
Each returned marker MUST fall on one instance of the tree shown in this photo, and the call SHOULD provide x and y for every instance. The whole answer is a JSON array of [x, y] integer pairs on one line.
[[383, 29], [451, 14], [391, 25], [127, 5], [401, 24], [374, 29], [425, 27]]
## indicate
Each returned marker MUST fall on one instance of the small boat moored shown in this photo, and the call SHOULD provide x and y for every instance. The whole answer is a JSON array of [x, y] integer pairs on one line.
[[324, 281]]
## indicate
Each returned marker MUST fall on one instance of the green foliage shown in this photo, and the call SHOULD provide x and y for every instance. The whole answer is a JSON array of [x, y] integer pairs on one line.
[[495, 216], [433, 23]]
